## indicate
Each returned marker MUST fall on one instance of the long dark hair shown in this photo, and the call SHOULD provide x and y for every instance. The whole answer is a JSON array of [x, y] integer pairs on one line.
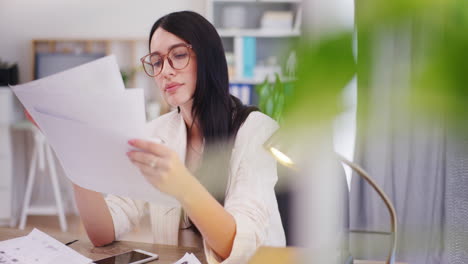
[[219, 114]]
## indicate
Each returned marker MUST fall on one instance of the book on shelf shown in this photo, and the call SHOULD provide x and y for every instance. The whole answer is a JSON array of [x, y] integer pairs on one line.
[[249, 56], [242, 91]]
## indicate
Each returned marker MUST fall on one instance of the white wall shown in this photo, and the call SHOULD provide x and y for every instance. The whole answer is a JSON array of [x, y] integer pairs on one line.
[[24, 20], [328, 16]]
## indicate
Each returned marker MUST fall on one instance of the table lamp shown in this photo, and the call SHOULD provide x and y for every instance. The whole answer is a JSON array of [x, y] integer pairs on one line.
[[279, 149]]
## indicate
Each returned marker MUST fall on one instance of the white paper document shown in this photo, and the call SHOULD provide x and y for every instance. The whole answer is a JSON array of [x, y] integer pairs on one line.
[[188, 258], [88, 117], [38, 248], [99, 75]]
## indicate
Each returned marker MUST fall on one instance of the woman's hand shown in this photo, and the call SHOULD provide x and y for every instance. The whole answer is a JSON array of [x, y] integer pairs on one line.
[[162, 167], [169, 175]]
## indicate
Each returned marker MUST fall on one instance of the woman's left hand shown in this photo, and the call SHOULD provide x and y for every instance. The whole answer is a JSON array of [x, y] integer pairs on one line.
[[161, 166]]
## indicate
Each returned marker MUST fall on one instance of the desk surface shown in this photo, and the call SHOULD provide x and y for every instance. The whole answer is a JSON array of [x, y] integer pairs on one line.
[[167, 254], [291, 255]]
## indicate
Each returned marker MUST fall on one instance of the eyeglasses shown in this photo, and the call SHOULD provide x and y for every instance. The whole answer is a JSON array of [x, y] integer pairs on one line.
[[178, 57]]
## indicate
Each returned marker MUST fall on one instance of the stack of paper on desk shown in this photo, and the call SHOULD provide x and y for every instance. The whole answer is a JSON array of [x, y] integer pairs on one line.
[[38, 248], [188, 258], [88, 117]]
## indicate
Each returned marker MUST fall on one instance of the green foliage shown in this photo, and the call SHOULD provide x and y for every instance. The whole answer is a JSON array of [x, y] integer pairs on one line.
[[439, 61], [325, 68], [271, 97], [440, 84], [437, 69], [128, 74]]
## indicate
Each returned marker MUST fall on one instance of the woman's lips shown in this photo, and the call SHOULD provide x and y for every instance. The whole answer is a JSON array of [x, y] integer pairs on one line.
[[171, 88]]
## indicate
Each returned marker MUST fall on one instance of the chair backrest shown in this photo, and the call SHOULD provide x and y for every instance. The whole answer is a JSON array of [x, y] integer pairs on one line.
[[285, 196]]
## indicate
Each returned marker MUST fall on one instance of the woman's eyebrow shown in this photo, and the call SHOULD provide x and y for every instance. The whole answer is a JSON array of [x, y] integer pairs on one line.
[[169, 48]]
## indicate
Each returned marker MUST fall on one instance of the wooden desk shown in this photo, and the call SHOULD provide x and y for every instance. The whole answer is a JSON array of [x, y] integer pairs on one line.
[[167, 254], [289, 255]]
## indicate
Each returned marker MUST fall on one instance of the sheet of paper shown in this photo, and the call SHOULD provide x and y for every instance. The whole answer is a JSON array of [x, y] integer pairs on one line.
[[121, 110], [38, 248], [89, 125], [99, 75], [188, 258], [96, 159]]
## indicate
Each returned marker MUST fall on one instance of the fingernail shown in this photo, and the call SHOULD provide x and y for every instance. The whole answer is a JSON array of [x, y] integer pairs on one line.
[[131, 141]]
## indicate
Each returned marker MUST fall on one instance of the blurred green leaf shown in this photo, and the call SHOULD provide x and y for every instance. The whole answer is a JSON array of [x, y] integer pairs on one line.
[[438, 69], [325, 67], [438, 64]]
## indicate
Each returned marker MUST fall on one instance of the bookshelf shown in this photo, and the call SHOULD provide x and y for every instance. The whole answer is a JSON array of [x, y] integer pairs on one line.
[[126, 51], [256, 35]]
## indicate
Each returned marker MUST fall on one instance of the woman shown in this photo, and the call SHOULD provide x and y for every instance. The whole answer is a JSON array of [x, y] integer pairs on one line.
[[188, 64]]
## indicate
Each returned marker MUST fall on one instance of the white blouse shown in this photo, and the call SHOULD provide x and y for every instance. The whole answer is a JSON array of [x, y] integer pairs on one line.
[[250, 196]]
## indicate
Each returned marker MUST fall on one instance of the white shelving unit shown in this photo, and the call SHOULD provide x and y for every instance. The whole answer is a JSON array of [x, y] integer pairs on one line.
[[237, 20], [259, 33], [258, 1]]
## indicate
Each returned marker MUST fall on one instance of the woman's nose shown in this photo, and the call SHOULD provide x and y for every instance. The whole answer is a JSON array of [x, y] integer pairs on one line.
[[167, 68]]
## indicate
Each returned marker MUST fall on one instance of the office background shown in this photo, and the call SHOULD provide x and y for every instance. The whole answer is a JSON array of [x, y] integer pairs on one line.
[[424, 159], [24, 20]]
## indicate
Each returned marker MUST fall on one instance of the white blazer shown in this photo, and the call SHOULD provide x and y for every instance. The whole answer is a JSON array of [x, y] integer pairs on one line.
[[250, 196]]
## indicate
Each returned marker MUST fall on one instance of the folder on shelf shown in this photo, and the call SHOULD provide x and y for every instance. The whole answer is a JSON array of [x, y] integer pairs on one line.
[[242, 91], [250, 56]]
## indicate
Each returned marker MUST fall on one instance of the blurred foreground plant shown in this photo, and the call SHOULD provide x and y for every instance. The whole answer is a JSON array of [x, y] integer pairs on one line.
[[438, 62]]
